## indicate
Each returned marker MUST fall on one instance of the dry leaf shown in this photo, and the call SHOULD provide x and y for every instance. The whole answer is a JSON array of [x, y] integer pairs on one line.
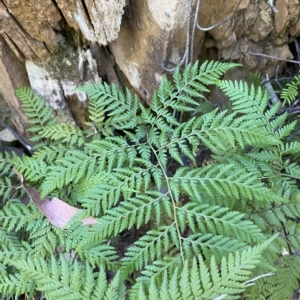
[[57, 211]]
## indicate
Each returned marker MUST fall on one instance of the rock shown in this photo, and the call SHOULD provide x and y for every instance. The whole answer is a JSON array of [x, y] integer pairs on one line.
[[38, 19], [7, 136], [99, 21], [20, 41], [153, 34], [13, 75]]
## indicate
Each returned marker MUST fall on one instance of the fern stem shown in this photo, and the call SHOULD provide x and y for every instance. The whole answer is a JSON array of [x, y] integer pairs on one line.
[[172, 199]]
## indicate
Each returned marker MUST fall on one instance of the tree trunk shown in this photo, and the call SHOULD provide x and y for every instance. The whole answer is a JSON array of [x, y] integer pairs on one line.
[[56, 45]]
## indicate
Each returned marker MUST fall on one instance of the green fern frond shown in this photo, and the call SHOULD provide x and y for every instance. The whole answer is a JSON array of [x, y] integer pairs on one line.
[[10, 241], [44, 237], [112, 152], [51, 153], [98, 193], [100, 255], [284, 131], [246, 100], [290, 92], [14, 285], [15, 215], [60, 280], [121, 109], [6, 178], [290, 148], [64, 133], [134, 211], [194, 78], [218, 221], [32, 169], [210, 245], [38, 112], [211, 128], [189, 85], [194, 280], [292, 169], [225, 180], [280, 286], [149, 247], [96, 113], [72, 167], [252, 103]]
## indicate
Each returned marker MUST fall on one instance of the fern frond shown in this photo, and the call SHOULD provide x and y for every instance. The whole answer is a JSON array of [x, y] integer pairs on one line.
[[44, 237], [15, 215], [96, 113], [32, 169], [189, 85], [101, 255], [71, 168], [136, 211], [194, 280], [112, 152], [39, 113], [292, 169], [10, 241], [16, 284], [149, 247], [282, 284], [246, 100], [51, 153], [290, 92], [210, 130], [290, 148], [121, 109], [225, 180], [98, 193], [140, 171], [64, 133], [218, 221], [197, 77], [210, 245], [60, 280], [252, 103], [284, 131], [6, 178], [211, 71]]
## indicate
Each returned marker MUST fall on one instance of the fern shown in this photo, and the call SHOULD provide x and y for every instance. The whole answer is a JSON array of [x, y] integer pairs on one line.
[[39, 114], [194, 280], [58, 279], [290, 92], [165, 224], [6, 179]]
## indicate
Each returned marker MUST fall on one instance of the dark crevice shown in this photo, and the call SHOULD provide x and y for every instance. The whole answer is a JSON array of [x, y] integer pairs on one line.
[[57, 8], [26, 35], [86, 12], [15, 20], [21, 54]]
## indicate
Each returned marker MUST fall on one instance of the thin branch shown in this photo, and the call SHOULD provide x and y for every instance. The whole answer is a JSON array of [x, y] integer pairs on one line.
[[273, 57], [214, 26]]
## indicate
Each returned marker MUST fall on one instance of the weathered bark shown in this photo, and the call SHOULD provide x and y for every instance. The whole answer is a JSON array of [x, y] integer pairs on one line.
[[55, 45]]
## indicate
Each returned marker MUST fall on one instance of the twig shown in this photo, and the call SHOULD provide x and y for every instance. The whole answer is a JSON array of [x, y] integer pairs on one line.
[[273, 57]]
